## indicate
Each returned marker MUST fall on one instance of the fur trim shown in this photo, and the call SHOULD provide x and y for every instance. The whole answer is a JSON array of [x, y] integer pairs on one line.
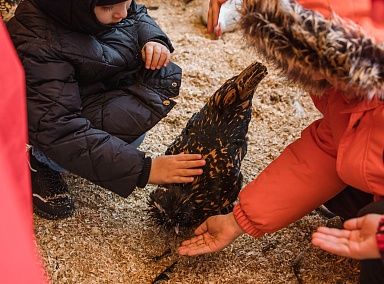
[[307, 46]]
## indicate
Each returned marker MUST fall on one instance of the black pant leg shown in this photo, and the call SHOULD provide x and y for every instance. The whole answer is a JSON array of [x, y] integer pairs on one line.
[[373, 207], [348, 202]]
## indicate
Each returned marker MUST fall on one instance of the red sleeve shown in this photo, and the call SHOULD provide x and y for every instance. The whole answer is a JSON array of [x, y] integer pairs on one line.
[[302, 178], [19, 261]]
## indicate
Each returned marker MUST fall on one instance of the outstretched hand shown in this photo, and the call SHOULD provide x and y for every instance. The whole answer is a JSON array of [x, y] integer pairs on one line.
[[181, 168], [357, 240], [213, 235]]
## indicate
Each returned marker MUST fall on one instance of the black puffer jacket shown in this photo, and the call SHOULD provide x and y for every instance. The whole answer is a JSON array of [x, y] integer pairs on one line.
[[88, 93]]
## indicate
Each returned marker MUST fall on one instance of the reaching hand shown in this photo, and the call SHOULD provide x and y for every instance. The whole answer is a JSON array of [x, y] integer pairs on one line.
[[357, 240], [213, 16], [213, 235], [179, 168], [155, 55]]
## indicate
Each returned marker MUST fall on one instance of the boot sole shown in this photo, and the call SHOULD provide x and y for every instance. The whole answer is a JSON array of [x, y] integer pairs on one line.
[[49, 216], [53, 211]]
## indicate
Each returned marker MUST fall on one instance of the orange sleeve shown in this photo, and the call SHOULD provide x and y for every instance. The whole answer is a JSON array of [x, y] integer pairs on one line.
[[302, 178]]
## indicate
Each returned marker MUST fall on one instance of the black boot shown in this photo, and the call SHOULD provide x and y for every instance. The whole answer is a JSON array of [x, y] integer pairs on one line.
[[51, 199]]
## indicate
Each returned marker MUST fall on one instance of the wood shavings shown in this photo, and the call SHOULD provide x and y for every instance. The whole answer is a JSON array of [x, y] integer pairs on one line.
[[109, 239]]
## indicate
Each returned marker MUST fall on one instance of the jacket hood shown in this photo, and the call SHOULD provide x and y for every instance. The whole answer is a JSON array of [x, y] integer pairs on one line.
[[76, 15], [306, 46]]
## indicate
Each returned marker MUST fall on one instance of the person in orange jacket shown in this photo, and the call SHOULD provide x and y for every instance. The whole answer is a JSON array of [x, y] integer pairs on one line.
[[19, 260], [338, 161]]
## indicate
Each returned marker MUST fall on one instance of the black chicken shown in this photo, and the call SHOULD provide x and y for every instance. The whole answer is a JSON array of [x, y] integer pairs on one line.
[[218, 132]]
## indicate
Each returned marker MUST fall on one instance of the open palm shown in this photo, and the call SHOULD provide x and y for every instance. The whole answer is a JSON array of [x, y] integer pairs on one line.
[[357, 239], [213, 235]]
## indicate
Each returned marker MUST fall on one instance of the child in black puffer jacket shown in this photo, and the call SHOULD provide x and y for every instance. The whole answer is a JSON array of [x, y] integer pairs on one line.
[[98, 78]]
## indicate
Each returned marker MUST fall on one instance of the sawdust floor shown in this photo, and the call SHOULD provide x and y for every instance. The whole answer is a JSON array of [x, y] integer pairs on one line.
[[110, 239]]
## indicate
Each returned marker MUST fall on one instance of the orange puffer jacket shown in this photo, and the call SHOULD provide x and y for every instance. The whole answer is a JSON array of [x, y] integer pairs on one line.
[[345, 147]]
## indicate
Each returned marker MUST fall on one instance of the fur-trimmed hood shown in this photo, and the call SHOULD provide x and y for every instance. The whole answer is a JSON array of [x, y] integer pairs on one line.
[[306, 46]]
